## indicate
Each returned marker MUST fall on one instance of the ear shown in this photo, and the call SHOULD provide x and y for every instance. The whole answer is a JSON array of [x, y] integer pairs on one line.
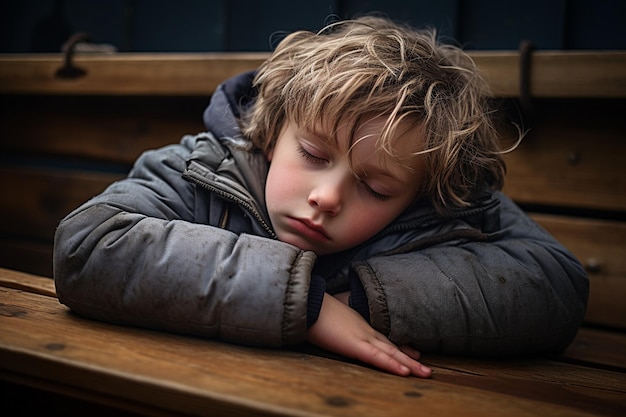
[[270, 154]]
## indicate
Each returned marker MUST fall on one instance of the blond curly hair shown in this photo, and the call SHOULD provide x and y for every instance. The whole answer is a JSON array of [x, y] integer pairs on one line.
[[370, 66]]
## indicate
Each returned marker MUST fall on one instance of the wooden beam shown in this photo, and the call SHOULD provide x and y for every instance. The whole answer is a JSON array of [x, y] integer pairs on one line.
[[124, 74], [556, 74], [552, 73]]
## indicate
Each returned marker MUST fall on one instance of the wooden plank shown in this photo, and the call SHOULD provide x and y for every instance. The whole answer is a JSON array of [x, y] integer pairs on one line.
[[39, 340], [606, 301], [27, 282], [556, 73], [125, 73], [599, 245], [587, 389], [571, 157], [37, 199], [112, 129], [28, 256], [598, 347], [553, 73]]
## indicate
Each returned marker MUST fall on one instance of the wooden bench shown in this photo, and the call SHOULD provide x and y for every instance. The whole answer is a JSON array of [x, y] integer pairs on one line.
[[64, 140], [56, 363]]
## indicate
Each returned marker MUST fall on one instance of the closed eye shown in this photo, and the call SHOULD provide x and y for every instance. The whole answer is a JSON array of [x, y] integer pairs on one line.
[[310, 157], [373, 193]]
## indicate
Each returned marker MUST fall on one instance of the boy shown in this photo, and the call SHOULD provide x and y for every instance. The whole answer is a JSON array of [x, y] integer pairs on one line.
[[344, 194]]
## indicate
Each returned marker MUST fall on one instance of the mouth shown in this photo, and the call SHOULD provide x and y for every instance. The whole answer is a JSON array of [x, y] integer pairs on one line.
[[309, 229]]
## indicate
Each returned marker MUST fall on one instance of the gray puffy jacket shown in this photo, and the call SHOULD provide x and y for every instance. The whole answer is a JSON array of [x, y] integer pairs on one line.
[[184, 244]]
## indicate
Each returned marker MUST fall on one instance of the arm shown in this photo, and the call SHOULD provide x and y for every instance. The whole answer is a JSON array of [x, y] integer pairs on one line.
[[519, 293], [134, 255]]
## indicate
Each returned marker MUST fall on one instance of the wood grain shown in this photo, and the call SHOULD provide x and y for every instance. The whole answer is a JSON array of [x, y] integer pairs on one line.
[[125, 73], [600, 246], [556, 73], [588, 74], [571, 156], [42, 341], [96, 129], [37, 199], [598, 347], [27, 282], [26, 255]]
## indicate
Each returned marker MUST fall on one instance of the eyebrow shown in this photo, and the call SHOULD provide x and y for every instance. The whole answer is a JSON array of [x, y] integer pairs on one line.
[[374, 170], [318, 135]]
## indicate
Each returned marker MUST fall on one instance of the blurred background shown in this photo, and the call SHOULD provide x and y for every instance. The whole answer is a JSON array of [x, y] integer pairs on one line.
[[248, 25]]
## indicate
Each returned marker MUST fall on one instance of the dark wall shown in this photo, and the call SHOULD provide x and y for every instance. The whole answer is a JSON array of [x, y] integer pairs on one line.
[[247, 25]]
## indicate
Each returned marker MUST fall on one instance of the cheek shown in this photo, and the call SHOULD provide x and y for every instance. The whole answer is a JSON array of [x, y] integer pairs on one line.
[[366, 222], [367, 218], [273, 188], [281, 184]]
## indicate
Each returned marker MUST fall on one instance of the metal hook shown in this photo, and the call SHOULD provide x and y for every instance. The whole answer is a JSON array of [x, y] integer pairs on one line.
[[68, 70], [526, 48]]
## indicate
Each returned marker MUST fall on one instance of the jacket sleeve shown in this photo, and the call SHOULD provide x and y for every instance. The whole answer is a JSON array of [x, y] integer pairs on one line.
[[520, 292], [134, 255]]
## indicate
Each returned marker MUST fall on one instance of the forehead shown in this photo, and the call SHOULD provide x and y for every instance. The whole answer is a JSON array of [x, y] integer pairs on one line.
[[371, 139]]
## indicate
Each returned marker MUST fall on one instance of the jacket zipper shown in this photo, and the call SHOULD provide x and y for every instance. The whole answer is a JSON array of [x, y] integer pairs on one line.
[[228, 196]]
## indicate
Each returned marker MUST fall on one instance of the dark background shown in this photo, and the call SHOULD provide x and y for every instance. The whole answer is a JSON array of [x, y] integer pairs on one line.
[[247, 25]]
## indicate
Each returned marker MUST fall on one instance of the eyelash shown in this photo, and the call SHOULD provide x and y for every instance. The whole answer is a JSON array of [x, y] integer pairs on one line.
[[373, 193], [319, 161], [310, 157]]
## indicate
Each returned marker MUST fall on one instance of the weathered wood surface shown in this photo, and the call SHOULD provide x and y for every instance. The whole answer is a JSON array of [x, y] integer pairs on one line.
[[27, 282], [43, 345], [571, 156], [589, 73], [125, 73], [600, 245], [92, 129]]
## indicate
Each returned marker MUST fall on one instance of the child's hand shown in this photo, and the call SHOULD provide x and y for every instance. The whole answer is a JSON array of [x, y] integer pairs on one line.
[[342, 330]]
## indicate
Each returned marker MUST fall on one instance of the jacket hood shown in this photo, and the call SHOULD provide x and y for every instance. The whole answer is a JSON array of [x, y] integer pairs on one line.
[[230, 97]]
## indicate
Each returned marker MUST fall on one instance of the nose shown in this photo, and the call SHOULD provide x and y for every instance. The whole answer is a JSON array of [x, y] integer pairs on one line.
[[328, 195]]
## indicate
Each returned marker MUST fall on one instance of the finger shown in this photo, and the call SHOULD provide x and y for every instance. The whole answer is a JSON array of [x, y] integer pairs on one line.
[[406, 356], [385, 355], [381, 359], [410, 361], [416, 369]]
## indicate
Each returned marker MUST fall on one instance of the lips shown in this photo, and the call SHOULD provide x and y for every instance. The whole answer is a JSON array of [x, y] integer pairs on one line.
[[308, 229]]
